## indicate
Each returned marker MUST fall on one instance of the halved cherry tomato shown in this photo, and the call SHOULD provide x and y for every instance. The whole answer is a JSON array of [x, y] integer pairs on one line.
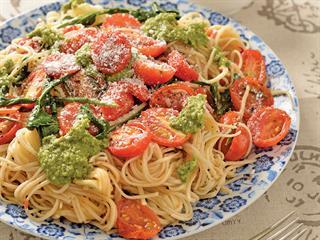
[[133, 86], [171, 96], [235, 149], [67, 116], [75, 39], [111, 52], [129, 140], [71, 28], [121, 20], [9, 109], [124, 101], [60, 64], [146, 45], [8, 128], [31, 42], [269, 126], [34, 85], [254, 66], [153, 72], [136, 221], [158, 121], [183, 69], [259, 96]]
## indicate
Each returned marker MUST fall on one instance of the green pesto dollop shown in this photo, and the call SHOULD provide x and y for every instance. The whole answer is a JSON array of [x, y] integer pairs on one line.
[[191, 118], [219, 58], [48, 35], [5, 70], [165, 26], [185, 170], [83, 56], [71, 5], [67, 158]]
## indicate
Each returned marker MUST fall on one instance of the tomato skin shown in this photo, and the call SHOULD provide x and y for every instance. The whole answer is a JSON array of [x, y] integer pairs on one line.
[[75, 39], [183, 70], [269, 126], [59, 65], [9, 109], [111, 52], [121, 20], [67, 116], [8, 129], [259, 96], [130, 140], [171, 96], [136, 221], [152, 72], [35, 44], [134, 87], [254, 65], [157, 119], [71, 28], [124, 101], [34, 86], [239, 145], [146, 45]]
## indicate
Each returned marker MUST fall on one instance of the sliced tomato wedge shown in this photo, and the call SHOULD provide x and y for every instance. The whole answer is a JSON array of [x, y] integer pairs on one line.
[[121, 20], [171, 96], [8, 128], [158, 121], [34, 85], [71, 28], [136, 221], [31, 42], [67, 117], [235, 149], [75, 39], [254, 65], [130, 140], [134, 87], [60, 64], [183, 69], [111, 52], [153, 72], [146, 45], [259, 96], [269, 126], [124, 101]]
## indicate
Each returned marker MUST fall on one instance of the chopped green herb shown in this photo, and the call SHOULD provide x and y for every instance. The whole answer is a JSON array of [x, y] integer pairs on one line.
[[220, 58], [48, 35], [222, 101]]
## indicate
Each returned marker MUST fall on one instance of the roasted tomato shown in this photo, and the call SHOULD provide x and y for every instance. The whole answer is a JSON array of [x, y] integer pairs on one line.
[[8, 128], [121, 20], [254, 66], [136, 221], [269, 126], [129, 140], [259, 96]]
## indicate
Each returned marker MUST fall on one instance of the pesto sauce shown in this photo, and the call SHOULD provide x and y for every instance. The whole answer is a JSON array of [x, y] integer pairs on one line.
[[48, 35], [165, 26], [185, 170], [191, 118], [220, 58], [67, 158], [83, 55]]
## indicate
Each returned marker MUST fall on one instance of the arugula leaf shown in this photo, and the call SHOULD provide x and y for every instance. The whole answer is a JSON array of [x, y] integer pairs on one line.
[[45, 123], [13, 101], [222, 100], [104, 127]]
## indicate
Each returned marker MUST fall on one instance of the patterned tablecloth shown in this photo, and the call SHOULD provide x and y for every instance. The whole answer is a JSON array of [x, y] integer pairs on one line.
[[292, 29]]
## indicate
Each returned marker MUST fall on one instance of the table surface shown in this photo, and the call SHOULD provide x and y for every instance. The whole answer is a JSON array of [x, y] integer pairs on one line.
[[292, 29]]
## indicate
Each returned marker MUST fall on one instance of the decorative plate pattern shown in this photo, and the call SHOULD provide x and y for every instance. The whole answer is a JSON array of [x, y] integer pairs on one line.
[[257, 177]]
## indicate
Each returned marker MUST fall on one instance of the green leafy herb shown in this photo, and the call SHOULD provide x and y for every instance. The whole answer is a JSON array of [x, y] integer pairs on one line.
[[48, 35], [236, 76], [104, 127], [185, 170], [222, 101], [13, 101], [87, 101], [45, 123]]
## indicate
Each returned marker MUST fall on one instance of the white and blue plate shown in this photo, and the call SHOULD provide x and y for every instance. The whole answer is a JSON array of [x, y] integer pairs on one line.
[[208, 212]]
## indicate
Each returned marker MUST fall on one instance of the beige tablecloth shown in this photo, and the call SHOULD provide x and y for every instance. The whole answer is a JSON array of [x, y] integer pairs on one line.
[[292, 29]]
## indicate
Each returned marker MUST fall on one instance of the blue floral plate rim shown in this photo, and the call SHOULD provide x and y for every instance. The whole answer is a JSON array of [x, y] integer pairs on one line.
[[207, 212]]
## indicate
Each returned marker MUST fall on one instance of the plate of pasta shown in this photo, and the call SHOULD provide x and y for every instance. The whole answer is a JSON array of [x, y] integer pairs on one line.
[[134, 120]]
